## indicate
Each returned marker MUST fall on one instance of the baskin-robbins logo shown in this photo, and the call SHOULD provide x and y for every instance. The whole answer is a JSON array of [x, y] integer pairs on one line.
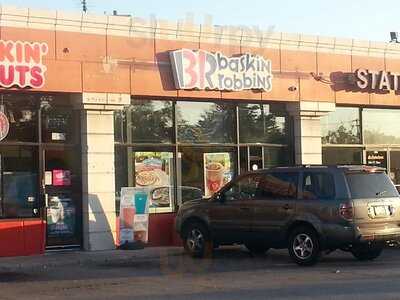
[[214, 71], [21, 64]]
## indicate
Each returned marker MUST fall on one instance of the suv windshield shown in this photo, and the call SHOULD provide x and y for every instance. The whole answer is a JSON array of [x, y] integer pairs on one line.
[[371, 185]]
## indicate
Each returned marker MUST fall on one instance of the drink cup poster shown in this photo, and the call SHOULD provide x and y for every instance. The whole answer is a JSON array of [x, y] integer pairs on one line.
[[217, 171], [134, 217]]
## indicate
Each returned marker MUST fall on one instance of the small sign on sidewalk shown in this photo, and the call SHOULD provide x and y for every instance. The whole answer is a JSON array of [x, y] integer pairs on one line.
[[134, 218]]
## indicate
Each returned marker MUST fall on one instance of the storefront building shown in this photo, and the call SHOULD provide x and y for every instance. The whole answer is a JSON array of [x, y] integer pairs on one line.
[[91, 104]]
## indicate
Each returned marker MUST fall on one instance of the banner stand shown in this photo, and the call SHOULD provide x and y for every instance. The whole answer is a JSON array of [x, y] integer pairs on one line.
[[134, 218]]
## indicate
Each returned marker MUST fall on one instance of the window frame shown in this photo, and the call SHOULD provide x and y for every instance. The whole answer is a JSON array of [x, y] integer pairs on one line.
[[121, 139]]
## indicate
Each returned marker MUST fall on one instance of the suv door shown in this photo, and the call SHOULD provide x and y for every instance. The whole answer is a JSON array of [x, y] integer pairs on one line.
[[230, 217], [274, 205]]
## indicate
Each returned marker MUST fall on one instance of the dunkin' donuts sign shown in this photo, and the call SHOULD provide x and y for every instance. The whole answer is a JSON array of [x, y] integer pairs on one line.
[[21, 64], [214, 71]]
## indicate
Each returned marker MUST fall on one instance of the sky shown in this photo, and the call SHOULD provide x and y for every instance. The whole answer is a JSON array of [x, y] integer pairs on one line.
[[360, 19]]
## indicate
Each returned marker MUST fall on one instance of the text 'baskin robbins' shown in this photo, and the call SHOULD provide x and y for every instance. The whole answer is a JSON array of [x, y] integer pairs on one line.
[[214, 71]]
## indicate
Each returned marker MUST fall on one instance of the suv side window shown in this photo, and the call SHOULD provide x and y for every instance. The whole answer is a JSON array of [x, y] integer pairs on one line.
[[244, 188], [318, 185], [280, 185]]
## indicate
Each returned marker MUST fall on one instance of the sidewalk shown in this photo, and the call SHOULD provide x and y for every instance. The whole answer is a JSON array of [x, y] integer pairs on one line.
[[56, 259]]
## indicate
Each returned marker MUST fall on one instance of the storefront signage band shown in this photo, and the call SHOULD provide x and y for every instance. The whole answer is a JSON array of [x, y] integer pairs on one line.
[[214, 71], [377, 80], [21, 64]]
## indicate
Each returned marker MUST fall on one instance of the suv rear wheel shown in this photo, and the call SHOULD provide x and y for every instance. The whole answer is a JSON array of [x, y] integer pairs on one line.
[[304, 246], [196, 240], [367, 252]]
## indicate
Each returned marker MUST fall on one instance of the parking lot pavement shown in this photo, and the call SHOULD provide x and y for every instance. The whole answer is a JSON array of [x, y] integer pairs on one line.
[[163, 273]]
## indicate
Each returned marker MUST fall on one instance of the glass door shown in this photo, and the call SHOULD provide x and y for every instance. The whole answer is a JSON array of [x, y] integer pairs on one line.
[[62, 190]]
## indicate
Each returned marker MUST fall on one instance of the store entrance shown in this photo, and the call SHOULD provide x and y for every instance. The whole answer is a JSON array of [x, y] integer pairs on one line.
[[63, 197]]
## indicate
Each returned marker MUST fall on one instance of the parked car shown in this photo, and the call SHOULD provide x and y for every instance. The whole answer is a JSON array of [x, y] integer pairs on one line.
[[308, 210]]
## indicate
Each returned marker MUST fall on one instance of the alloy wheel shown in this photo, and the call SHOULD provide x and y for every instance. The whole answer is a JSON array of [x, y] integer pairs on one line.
[[303, 246], [195, 240]]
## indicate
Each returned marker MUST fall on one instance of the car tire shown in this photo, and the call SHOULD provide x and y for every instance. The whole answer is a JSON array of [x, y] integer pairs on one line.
[[304, 246], [256, 248], [367, 252], [197, 241]]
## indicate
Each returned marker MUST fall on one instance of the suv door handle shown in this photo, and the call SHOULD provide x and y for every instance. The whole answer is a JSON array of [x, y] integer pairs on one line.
[[244, 208], [286, 207]]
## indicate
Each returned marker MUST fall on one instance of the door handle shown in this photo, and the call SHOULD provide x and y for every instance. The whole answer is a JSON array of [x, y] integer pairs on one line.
[[286, 207], [244, 208]]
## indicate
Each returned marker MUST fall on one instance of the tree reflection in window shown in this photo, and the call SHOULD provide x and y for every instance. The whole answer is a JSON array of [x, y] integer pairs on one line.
[[150, 122], [381, 126], [205, 122], [262, 124], [341, 126]]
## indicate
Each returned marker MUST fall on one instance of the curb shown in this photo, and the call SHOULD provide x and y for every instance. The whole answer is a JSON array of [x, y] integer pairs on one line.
[[82, 258]]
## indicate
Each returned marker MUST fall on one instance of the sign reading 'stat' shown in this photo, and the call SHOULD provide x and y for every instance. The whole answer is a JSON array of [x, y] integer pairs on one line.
[[21, 64], [214, 71], [377, 80]]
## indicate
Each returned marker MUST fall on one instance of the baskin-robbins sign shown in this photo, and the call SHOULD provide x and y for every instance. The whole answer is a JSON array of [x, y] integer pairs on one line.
[[204, 70], [21, 64]]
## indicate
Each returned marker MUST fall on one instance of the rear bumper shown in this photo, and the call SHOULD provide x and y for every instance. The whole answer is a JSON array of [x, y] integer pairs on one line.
[[385, 234]]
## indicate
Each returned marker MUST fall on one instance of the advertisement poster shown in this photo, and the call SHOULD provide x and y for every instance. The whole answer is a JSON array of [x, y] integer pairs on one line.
[[217, 172], [377, 159], [61, 177], [153, 172], [60, 217], [134, 217]]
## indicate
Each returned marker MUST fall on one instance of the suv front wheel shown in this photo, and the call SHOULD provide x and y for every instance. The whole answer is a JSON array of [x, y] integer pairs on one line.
[[196, 240], [366, 252], [304, 246]]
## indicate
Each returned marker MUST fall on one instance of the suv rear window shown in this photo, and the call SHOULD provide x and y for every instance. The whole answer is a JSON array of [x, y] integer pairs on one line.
[[370, 185]]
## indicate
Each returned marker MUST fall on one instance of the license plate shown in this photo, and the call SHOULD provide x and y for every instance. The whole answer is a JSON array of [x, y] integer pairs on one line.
[[380, 211]]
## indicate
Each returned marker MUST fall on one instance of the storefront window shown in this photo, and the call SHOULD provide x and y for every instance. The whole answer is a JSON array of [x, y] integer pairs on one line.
[[59, 125], [185, 150], [275, 157], [149, 122], [119, 117], [22, 113], [205, 122], [150, 169], [381, 126], [263, 123], [207, 168], [19, 176], [341, 126], [342, 156]]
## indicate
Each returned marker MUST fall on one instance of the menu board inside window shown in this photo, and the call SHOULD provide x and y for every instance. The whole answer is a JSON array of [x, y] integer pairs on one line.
[[154, 174], [57, 126]]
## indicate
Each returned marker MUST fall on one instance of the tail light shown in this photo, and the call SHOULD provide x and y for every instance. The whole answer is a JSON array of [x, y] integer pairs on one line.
[[346, 211]]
